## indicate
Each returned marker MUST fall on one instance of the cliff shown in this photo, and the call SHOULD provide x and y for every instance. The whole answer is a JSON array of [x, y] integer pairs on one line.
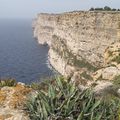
[[77, 40]]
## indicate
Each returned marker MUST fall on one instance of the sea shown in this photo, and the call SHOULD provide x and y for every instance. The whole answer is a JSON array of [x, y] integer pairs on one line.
[[21, 57]]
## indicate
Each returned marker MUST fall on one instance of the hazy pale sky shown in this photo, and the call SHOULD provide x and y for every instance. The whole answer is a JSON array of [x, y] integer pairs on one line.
[[29, 8]]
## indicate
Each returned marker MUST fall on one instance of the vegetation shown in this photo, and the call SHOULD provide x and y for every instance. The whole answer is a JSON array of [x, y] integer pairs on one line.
[[83, 64], [64, 101], [42, 85], [116, 59], [106, 8], [116, 80], [110, 53], [8, 82]]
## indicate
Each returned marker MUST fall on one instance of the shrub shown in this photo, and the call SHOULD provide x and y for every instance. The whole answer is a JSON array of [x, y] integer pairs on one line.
[[106, 8], [64, 101], [116, 59], [8, 82]]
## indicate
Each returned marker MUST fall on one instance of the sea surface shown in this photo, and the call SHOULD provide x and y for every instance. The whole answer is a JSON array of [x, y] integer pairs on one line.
[[21, 57]]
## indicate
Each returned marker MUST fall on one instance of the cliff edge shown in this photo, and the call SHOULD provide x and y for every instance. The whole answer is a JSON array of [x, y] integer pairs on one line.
[[78, 40]]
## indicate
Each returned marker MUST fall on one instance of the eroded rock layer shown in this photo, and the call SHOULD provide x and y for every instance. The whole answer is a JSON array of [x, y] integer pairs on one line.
[[77, 40]]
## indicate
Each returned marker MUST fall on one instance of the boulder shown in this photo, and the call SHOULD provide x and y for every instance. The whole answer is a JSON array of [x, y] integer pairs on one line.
[[108, 73], [103, 88]]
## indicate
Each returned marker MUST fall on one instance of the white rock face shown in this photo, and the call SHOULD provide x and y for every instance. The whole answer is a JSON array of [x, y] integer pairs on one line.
[[85, 35], [57, 61], [110, 72], [118, 92]]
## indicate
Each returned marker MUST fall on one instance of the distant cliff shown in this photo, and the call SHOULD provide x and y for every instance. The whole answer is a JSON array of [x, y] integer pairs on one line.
[[77, 40]]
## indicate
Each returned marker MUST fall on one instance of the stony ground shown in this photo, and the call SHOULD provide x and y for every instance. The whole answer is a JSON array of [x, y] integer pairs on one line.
[[12, 101]]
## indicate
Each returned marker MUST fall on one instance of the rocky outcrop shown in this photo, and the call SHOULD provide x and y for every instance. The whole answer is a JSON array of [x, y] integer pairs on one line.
[[111, 67], [77, 39], [12, 101], [108, 73], [112, 54]]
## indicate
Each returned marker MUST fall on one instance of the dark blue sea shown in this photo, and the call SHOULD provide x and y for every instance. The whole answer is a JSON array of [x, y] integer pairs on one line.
[[21, 57]]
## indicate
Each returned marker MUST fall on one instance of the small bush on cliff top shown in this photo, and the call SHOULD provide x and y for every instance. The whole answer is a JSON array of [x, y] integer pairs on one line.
[[8, 82], [64, 101]]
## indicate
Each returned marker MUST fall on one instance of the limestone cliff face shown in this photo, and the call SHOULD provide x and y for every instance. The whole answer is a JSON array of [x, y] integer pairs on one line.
[[77, 40]]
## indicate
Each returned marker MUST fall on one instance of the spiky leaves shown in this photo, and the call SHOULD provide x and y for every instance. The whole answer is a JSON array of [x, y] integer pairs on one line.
[[64, 101]]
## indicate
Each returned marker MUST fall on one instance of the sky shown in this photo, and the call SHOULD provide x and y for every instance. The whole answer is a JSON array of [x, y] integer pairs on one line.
[[29, 8]]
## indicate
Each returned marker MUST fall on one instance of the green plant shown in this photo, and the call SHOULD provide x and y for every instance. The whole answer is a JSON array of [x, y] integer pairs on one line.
[[8, 82], [110, 53], [106, 8], [64, 101], [83, 64], [116, 59]]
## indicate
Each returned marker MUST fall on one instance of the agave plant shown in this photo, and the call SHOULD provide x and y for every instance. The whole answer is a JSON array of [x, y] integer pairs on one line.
[[64, 101]]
